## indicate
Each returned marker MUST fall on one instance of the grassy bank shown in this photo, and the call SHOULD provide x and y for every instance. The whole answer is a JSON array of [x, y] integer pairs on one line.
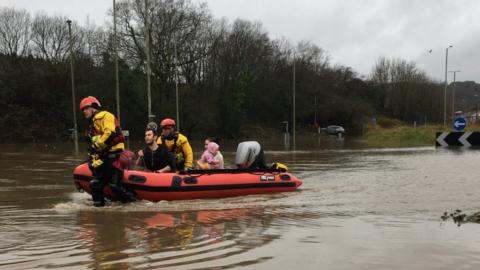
[[401, 135]]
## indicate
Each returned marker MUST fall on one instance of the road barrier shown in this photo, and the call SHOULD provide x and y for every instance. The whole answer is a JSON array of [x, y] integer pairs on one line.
[[464, 139]]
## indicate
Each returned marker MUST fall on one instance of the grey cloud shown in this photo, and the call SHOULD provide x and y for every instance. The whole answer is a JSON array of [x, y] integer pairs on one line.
[[354, 32]]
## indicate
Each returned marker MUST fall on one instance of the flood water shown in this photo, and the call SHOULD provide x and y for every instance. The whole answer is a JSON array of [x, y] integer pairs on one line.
[[357, 209]]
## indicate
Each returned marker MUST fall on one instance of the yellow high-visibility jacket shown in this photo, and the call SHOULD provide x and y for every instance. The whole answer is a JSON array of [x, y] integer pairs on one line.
[[182, 146], [107, 127]]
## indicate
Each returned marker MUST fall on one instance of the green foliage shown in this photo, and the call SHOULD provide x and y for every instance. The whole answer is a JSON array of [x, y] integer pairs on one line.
[[386, 122], [401, 136], [402, 91], [230, 76]]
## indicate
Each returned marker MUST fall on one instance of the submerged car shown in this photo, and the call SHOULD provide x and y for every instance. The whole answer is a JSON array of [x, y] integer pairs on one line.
[[335, 130]]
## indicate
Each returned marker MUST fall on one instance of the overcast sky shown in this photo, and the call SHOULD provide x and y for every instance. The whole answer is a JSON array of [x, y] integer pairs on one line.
[[355, 33]]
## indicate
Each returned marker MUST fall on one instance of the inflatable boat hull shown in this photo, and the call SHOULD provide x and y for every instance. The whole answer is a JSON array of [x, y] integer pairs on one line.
[[196, 185]]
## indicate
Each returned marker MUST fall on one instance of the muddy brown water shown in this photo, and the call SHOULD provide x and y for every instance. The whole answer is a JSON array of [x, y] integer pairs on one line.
[[357, 209]]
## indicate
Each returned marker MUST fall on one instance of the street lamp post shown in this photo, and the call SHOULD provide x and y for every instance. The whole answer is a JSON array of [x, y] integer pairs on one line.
[[117, 87], [147, 52], [453, 92], [293, 128], [75, 134], [176, 83], [445, 91]]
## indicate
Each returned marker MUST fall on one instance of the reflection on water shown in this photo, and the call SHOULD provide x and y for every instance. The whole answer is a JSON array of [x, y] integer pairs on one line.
[[171, 239], [357, 208]]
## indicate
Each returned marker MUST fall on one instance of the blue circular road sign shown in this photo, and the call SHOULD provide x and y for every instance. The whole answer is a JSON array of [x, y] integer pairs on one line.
[[459, 124]]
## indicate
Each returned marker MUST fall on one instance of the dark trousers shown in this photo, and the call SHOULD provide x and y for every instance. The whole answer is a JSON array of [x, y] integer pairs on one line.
[[180, 165], [108, 174]]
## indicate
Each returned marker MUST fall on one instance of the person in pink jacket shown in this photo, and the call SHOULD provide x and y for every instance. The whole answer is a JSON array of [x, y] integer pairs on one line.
[[211, 157]]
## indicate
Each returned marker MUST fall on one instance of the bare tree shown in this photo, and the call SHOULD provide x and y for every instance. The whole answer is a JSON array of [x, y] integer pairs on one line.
[[14, 31], [311, 55], [407, 91], [51, 39], [396, 71], [95, 41]]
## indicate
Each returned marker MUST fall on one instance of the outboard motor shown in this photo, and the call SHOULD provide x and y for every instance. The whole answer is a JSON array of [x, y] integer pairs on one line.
[[250, 156]]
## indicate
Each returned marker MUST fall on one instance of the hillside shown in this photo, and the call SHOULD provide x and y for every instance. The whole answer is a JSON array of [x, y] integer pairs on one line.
[[467, 95]]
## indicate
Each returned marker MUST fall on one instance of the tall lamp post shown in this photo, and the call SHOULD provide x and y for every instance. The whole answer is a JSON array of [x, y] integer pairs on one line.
[[176, 82], [453, 92], [445, 91], [147, 52], [117, 87], [75, 134], [293, 128]]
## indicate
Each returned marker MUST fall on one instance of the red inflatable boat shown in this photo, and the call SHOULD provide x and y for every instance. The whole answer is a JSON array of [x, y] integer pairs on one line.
[[196, 184]]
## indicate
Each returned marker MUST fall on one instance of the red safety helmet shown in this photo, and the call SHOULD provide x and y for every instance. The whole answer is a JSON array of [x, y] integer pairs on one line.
[[167, 122], [89, 101]]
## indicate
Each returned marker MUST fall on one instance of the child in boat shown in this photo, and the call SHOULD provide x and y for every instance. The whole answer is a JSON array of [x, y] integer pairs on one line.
[[211, 158], [219, 155]]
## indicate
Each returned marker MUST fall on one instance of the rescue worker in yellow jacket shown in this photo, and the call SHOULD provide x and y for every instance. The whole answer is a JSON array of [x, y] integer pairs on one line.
[[176, 143], [106, 145]]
